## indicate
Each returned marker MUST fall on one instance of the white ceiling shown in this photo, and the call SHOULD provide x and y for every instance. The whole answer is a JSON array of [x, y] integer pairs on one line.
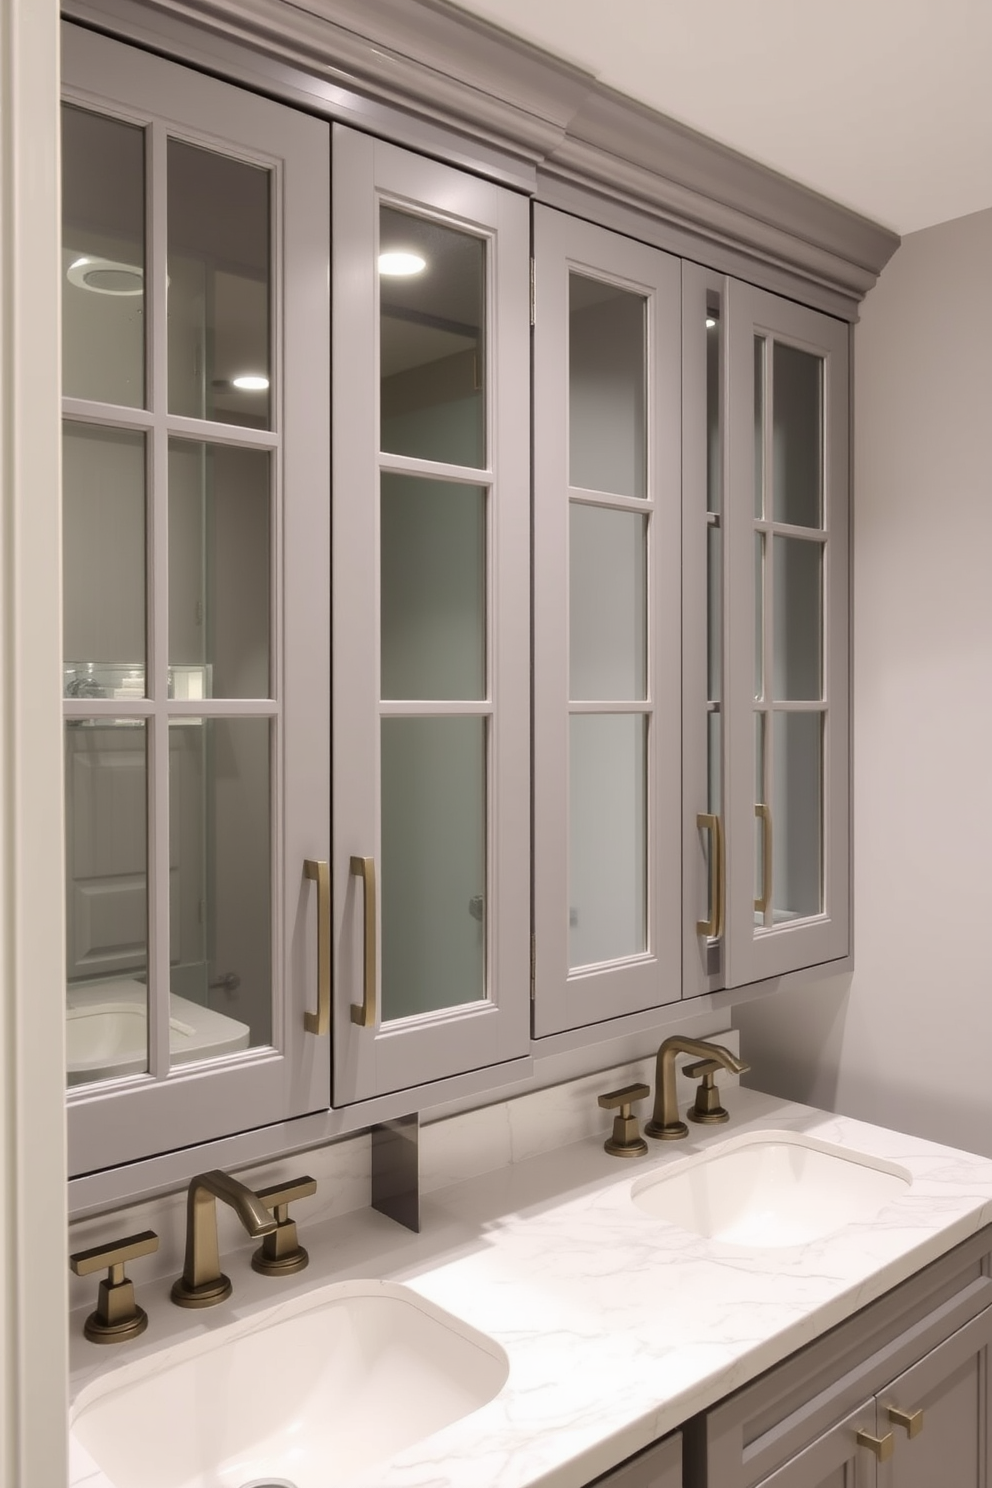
[[884, 105]]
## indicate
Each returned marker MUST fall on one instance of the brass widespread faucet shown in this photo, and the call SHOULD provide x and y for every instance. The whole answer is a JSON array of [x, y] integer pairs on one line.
[[202, 1283], [665, 1121]]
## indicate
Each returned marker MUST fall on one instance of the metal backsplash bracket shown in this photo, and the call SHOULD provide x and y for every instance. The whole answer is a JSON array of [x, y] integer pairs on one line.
[[396, 1170]]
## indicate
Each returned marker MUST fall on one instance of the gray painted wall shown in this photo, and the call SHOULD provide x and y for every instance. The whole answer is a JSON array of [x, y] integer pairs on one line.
[[898, 1041]]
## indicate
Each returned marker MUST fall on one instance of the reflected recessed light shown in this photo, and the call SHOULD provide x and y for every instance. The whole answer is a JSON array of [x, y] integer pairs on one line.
[[250, 382], [106, 276], [710, 322], [400, 264]]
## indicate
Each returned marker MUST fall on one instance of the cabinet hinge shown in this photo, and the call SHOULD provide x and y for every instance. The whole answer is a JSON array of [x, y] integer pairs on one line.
[[533, 962], [533, 293]]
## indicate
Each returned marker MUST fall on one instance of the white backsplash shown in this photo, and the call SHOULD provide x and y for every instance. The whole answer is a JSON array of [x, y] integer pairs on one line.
[[451, 1149]]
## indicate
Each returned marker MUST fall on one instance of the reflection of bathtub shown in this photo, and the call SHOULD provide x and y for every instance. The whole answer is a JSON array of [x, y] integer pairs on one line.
[[107, 1033]]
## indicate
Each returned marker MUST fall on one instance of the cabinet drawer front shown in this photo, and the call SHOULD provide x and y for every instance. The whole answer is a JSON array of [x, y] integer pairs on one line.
[[834, 1460], [756, 1431]]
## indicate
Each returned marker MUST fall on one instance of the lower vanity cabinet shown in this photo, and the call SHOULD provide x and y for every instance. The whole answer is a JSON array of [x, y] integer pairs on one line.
[[659, 1466], [896, 1397]]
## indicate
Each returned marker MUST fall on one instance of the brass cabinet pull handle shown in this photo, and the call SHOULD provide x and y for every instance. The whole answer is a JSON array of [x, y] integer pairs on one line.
[[764, 815], [713, 927], [911, 1421], [364, 1013], [881, 1446], [320, 1021]]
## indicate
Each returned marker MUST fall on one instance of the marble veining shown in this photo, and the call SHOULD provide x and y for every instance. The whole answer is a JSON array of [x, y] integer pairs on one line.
[[617, 1326]]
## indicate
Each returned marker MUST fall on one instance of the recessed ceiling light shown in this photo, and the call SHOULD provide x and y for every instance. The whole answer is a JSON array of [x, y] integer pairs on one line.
[[400, 265], [710, 322], [250, 382]]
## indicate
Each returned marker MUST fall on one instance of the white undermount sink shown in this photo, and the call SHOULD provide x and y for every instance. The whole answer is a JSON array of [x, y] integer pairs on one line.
[[316, 1391], [770, 1188]]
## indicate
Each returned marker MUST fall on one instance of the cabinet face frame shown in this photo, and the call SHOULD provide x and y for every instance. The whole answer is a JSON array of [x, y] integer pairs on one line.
[[386, 1057], [567, 998], [120, 1121], [754, 953]]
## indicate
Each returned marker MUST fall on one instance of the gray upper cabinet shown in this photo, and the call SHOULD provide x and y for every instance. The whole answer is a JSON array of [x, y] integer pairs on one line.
[[606, 624], [430, 619], [301, 777], [195, 562], [765, 619]]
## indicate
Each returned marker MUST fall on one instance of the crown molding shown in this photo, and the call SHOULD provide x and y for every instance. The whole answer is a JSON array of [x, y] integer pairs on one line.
[[416, 70]]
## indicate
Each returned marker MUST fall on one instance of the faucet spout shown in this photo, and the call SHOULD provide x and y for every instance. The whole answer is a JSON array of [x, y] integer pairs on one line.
[[202, 1283], [665, 1121]]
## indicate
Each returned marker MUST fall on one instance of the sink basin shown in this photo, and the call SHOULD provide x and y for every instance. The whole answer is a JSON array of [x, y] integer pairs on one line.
[[772, 1188], [313, 1393]]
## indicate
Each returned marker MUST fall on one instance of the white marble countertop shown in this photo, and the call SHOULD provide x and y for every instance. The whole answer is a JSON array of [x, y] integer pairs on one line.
[[617, 1326]]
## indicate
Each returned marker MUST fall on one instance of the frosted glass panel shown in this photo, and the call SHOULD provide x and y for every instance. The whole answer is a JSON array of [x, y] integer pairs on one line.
[[714, 613], [433, 874], [433, 589], [798, 619], [714, 765], [760, 798], [797, 813], [797, 394], [219, 570], [759, 614], [219, 287], [607, 837], [432, 297], [103, 561], [103, 259], [106, 795], [607, 603], [607, 387], [759, 426]]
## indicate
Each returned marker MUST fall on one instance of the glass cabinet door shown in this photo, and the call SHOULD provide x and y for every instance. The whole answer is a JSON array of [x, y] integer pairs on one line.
[[430, 543], [787, 678], [195, 562], [606, 625]]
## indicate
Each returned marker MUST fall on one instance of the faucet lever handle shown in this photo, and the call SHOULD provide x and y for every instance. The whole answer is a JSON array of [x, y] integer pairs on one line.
[[280, 1253], [626, 1140], [281, 1195], [623, 1098], [117, 1316], [700, 1068]]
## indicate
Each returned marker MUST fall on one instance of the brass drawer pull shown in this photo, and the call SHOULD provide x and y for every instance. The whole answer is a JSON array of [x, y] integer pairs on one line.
[[320, 1021], [881, 1446], [911, 1421], [713, 927], [364, 1013]]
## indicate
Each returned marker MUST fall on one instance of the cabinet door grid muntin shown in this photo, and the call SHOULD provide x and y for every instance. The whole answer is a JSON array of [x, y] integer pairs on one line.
[[173, 1104], [761, 941], [626, 979], [489, 1022]]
